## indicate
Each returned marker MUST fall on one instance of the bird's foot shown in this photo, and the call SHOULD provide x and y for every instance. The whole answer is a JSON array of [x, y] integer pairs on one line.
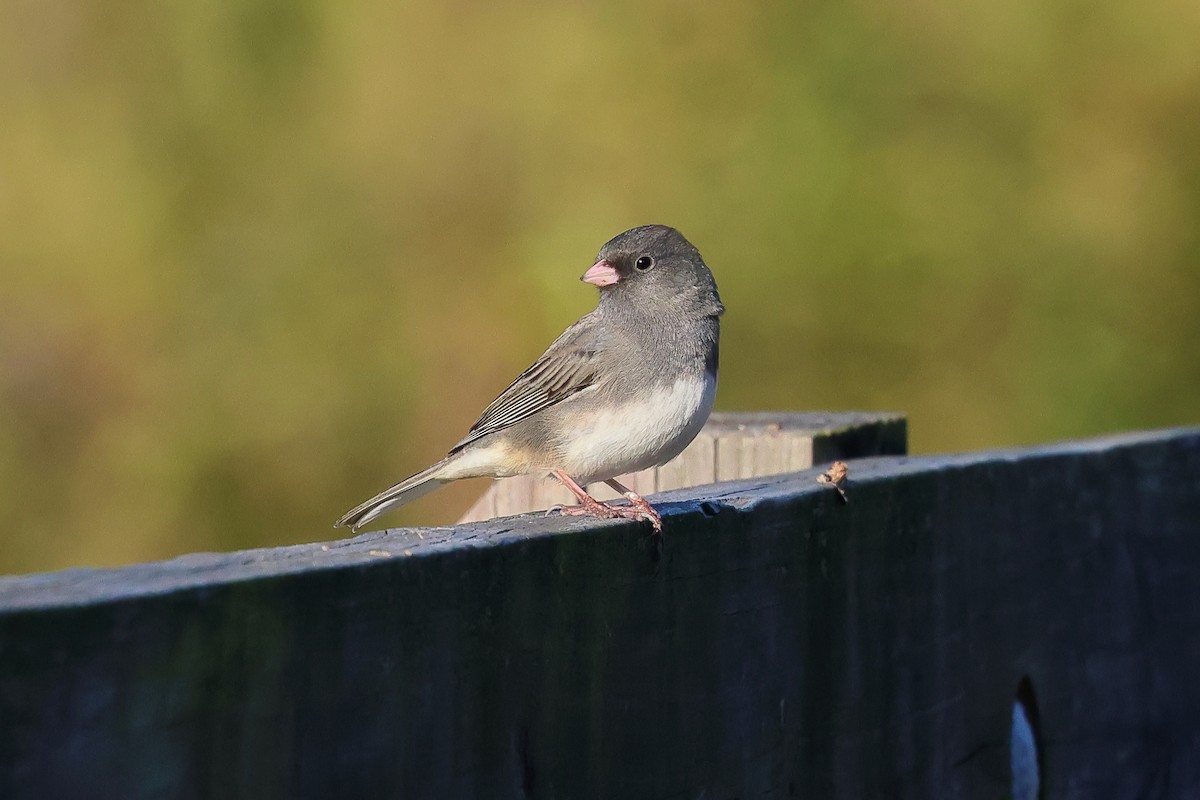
[[643, 510], [638, 509]]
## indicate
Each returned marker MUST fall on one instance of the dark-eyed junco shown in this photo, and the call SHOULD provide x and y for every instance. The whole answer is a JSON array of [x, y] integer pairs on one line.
[[625, 388]]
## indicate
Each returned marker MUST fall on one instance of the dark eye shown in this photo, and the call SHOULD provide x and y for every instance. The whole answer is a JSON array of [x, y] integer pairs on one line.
[[644, 263]]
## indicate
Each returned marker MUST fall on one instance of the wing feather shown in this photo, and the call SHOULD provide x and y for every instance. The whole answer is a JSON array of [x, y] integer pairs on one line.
[[565, 369]]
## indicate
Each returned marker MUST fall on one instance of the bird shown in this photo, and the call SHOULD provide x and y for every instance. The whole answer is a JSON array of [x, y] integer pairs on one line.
[[626, 387]]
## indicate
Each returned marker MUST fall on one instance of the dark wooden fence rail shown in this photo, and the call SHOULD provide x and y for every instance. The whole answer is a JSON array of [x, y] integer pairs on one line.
[[776, 643]]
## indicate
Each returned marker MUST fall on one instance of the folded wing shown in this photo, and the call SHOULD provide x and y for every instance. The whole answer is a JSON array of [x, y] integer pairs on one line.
[[566, 368]]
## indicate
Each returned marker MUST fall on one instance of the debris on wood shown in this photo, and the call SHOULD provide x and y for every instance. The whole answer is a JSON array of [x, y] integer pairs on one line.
[[836, 476]]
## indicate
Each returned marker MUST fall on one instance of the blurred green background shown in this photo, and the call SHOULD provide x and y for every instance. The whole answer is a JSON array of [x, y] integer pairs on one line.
[[261, 258]]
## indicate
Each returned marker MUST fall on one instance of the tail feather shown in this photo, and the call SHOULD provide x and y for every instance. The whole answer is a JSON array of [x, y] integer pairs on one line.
[[403, 492]]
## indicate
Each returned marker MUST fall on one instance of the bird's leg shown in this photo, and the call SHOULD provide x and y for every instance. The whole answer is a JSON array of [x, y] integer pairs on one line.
[[638, 503], [587, 503], [590, 506]]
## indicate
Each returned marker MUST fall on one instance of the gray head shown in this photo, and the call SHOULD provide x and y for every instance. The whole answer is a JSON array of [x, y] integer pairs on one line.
[[654, 266]]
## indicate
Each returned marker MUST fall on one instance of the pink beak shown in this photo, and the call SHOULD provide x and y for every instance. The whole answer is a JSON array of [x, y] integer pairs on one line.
[[601, 273]]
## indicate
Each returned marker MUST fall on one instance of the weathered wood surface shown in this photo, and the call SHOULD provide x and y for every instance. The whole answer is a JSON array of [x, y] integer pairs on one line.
[[776, 643], [732, 446]]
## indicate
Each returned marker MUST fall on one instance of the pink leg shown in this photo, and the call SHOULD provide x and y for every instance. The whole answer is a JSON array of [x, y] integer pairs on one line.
[[590, 506]]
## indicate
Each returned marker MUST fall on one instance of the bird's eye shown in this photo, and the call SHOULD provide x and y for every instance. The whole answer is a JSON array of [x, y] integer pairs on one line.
[[644, 263]]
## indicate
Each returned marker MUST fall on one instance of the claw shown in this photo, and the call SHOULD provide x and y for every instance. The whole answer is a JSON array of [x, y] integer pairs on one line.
[[647, 512]]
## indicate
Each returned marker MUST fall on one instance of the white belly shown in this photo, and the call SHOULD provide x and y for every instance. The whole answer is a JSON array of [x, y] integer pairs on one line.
[[640, 434]]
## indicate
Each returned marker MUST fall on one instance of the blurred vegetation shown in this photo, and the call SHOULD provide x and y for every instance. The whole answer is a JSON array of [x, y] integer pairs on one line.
[[258, 259]]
